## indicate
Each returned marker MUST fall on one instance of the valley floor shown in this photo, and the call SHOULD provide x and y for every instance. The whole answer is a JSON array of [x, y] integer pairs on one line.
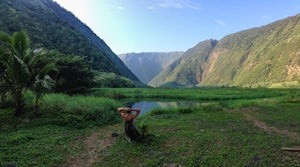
[[200, 137], [230, 127]]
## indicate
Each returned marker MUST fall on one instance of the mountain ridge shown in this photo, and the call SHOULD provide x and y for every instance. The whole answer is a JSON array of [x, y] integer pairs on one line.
[[146, 65], [192, 65], [266, 56], [53, 27]]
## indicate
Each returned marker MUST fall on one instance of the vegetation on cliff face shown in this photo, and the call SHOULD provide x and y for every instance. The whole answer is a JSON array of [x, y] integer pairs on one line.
[[188, 69], [267, 56], [52, 27], [258, 57], [147, 65]]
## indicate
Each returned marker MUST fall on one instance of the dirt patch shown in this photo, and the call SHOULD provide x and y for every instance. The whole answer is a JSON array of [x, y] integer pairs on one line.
[[98, 140], [287, 157], [271, 129], [262, 125], [172, 142], [169, 130]]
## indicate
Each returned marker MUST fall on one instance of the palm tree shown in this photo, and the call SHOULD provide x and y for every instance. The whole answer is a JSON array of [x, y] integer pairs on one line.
[[39, 67], [3, 79], [24, 67], [17, 71]]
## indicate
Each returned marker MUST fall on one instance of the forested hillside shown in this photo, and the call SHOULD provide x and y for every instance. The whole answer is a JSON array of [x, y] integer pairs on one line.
[[147, 65], [263, 56], [268, 56], [187, 70], [52, 27]]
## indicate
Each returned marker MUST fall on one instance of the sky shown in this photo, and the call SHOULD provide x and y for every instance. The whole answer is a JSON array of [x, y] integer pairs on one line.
[[173, 25]]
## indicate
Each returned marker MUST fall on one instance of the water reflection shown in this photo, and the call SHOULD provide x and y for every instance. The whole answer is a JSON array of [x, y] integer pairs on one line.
[[146, 106]]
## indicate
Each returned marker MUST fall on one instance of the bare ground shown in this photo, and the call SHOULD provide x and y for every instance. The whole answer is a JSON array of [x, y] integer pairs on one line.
[[248, 114], [97, 141], [288, 152], [101, 139], [271, 129]]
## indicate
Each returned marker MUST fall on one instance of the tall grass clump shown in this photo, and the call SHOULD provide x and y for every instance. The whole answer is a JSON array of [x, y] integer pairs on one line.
[[79, 111]]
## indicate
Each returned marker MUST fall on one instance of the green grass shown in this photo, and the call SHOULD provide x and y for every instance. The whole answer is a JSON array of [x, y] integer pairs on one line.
[[284, 115], [45, 138], [194, 94], [205, 135], [47, 145], [201, 137], [79, 111]]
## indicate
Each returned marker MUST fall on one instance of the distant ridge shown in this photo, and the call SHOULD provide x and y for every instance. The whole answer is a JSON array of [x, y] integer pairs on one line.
[[147, 65], [268, 56]]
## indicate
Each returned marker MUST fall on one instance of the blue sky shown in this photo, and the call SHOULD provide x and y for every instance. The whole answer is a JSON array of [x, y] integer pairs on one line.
[[173, 25]]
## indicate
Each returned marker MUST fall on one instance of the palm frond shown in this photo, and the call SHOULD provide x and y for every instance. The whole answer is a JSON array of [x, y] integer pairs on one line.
[[48, 68], [20, 43], [42, 84], [5, 38]]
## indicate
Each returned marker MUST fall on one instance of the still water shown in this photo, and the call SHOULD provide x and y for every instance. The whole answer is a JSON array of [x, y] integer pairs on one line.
[[147, 106]]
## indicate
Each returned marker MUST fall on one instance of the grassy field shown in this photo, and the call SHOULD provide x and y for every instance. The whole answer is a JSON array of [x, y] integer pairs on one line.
[[202, 138], [203, 94], [46, 139], [238, 127]]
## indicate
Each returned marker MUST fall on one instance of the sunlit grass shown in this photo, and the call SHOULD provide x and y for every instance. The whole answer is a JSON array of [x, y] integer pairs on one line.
[[79, 111], [201, 137], [45, 138], [214, 133], [203, 94]]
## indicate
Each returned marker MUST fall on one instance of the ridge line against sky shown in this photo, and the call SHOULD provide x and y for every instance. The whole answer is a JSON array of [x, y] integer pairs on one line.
[[173, 25]]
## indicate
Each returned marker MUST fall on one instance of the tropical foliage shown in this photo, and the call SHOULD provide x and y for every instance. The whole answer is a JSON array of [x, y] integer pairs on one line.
[[23, 68], [39, 70], [52, 27], [74, 73], [3, 79], [111, 80]]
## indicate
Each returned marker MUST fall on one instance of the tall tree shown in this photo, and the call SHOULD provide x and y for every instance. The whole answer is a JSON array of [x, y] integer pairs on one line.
[[17, 48], [3, 79], [74, 74], [39, 68], [25, 68]]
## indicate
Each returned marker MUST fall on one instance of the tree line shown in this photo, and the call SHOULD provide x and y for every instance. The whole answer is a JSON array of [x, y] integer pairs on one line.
[[39, 70]]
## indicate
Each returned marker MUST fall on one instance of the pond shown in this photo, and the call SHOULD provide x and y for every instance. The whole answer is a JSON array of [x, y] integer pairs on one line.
[[147, 106]]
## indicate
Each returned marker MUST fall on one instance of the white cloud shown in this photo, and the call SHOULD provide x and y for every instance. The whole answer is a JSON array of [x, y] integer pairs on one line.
[[178, 4], [150, 7], [220, 22], [120, 7]]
